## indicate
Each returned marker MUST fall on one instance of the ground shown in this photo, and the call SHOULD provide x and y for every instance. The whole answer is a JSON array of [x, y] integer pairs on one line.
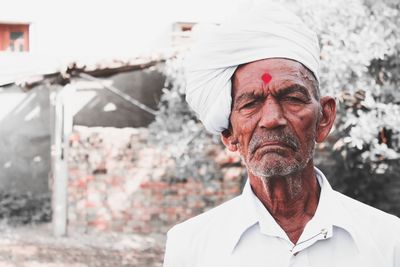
[[35, 246]]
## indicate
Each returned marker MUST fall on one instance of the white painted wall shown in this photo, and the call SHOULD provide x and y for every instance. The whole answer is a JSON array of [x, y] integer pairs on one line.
[[90, 31]]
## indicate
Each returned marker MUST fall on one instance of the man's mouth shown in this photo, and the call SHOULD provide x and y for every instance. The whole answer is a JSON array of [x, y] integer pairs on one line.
[[273, 146], [272, 143]]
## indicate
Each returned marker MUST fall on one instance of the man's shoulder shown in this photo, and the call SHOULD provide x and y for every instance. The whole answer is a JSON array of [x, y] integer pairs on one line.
[[361, 210], [375, 232], [382, 228], [207, 221], [191, 238]]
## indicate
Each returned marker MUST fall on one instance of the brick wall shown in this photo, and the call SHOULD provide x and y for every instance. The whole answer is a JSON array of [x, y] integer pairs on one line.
[[116, 183]]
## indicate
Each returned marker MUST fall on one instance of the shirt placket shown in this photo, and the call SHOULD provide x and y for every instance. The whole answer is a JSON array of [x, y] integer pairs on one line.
[[299, 259]]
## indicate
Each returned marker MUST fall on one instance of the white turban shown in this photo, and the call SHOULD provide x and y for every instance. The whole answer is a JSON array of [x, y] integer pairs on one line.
[[259, 31]]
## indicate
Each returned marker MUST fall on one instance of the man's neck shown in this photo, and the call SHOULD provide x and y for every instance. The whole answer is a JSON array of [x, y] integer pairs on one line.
[[292, 200]]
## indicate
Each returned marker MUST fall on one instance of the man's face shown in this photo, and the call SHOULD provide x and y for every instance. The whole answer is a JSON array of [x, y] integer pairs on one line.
[[275, 116]]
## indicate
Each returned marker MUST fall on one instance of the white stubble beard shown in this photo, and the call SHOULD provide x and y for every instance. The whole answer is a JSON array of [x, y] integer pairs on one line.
[[282, 168]]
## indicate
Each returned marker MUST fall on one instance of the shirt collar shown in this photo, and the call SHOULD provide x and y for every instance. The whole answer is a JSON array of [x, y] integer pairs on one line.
[[332, 210], [246, 217], [251, 211]]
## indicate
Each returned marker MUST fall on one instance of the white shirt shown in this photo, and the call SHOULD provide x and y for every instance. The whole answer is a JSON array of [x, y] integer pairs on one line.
[[241, 232]]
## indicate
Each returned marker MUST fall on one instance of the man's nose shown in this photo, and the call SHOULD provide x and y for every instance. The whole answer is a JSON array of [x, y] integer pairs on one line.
[[272, 114]]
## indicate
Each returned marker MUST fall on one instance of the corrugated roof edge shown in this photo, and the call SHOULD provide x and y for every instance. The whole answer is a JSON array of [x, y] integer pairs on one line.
[[100, 69]]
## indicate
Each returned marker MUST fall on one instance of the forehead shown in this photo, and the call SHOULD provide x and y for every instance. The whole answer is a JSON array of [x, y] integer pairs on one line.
[[283, 72]]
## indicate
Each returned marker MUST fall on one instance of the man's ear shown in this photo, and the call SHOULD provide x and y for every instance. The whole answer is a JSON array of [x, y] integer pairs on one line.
[[229, 140], [327, 118]]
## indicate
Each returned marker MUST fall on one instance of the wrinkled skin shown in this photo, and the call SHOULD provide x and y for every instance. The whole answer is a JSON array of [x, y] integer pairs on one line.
[[274, 125]]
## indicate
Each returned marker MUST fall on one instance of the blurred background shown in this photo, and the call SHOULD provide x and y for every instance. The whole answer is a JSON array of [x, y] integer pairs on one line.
[[99, 153]]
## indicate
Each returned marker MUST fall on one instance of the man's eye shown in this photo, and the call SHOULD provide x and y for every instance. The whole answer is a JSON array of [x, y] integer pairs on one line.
[[249, 105], [294, 99]]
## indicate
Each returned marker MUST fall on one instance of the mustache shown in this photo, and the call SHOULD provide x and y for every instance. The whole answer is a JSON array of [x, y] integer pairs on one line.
[[284, 137]]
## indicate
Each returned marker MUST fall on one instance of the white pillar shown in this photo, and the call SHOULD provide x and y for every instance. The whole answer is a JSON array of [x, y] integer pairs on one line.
[[63, 119]]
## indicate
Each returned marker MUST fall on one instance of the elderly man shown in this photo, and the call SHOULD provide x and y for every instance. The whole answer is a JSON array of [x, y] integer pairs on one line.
[[254, 80]]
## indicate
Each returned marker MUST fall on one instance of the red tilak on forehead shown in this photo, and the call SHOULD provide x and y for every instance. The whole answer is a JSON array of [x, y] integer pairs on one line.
[[266, 77]]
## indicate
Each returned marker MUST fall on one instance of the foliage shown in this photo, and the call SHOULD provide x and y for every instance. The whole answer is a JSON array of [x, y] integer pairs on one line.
[[360, 66], [177, 130], [359, 45], [24, 208]]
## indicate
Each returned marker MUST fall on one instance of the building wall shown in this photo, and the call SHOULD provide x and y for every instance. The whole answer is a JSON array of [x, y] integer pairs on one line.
[[25, 132], [116, 184], [24, 139], [89, 32]]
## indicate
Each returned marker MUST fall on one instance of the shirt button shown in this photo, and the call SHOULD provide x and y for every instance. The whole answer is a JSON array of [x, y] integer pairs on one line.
[[324, 232]]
